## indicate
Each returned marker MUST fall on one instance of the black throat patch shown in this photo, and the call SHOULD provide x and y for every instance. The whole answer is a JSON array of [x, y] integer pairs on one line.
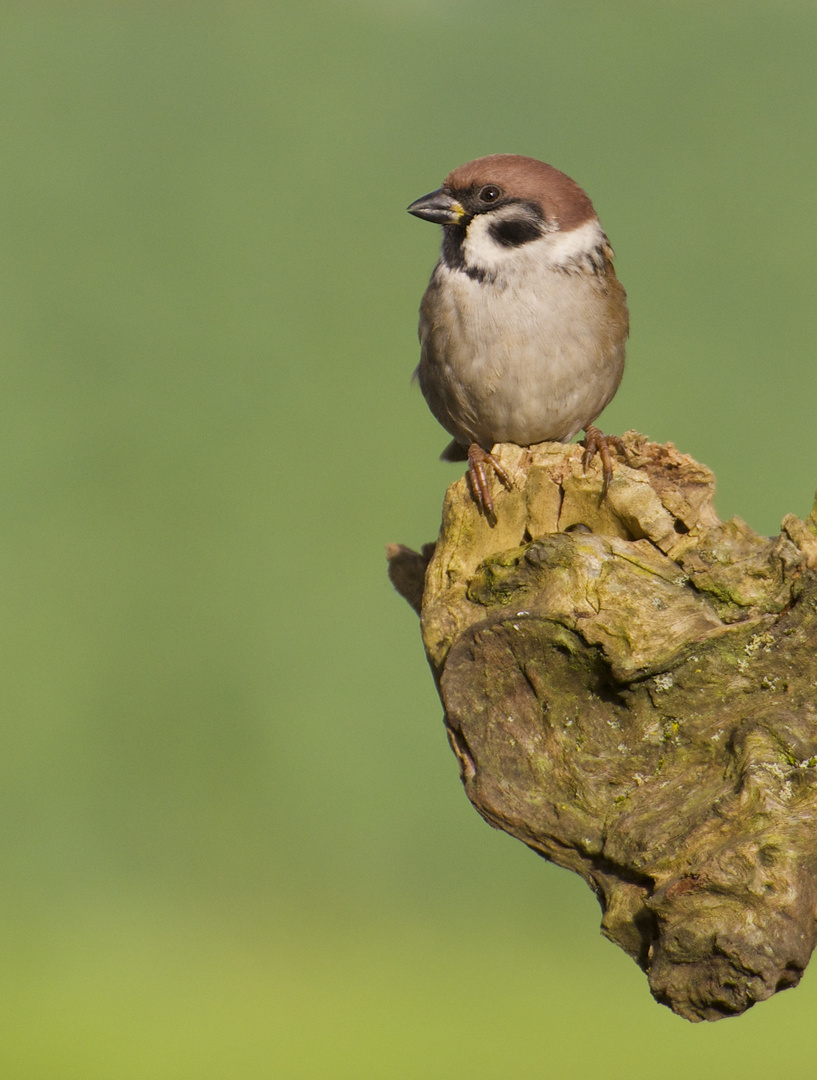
[[452, 256]]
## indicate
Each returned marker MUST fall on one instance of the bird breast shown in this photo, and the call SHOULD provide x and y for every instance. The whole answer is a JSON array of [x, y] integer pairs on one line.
[[523, 358]]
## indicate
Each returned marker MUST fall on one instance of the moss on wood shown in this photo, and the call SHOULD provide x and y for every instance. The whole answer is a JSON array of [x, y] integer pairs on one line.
[[629, 687]]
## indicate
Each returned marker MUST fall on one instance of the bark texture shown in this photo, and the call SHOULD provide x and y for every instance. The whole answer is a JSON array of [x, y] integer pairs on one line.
[[629, 687]]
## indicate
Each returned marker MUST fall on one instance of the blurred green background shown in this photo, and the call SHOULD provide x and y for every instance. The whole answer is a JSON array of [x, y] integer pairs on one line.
[[234, 844]]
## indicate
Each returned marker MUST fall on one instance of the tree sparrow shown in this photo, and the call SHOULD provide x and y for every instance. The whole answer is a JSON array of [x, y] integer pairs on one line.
[[523, 324]]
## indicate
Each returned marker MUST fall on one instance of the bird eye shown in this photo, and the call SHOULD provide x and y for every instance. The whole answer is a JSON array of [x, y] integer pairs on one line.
[[490, 193]]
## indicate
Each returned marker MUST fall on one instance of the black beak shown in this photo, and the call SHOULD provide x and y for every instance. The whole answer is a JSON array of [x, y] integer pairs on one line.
[[439, 207]]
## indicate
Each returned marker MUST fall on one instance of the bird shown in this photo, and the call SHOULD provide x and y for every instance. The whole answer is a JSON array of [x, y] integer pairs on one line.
[[524, 323]]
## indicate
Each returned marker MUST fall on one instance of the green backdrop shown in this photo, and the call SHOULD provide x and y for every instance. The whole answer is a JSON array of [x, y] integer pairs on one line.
[[233, 840]]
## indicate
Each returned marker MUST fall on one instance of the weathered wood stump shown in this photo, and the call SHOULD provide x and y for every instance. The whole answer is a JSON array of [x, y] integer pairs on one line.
[[629, 685]]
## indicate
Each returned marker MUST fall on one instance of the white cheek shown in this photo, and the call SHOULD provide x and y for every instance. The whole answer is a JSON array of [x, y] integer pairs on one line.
[[553, 249], [480, 248], [565, 247]]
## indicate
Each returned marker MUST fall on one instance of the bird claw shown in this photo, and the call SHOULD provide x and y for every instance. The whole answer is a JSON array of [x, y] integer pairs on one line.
[[477, 460], [597, 443]]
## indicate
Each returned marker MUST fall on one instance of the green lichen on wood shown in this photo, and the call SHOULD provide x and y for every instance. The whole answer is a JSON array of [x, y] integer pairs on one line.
[[628, 685]]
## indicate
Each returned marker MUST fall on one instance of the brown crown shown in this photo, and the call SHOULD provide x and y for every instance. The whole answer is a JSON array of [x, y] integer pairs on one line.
[[561, 199]]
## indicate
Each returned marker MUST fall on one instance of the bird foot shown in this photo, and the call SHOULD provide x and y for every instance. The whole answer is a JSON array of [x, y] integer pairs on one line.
[[597, 443], [478, 477]]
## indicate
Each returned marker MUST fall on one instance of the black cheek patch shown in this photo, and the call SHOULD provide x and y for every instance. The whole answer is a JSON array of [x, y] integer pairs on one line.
[[515, 232]]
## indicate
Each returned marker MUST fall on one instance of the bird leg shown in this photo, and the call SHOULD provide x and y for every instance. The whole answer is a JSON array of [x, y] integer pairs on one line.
[[477, 460], [596, 443]]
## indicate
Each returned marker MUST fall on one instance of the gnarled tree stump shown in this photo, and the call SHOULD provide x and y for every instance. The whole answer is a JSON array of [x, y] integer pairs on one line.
[[629, 685]]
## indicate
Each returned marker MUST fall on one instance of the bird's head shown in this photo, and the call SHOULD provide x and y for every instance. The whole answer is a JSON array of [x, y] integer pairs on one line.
[[498, 208]]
